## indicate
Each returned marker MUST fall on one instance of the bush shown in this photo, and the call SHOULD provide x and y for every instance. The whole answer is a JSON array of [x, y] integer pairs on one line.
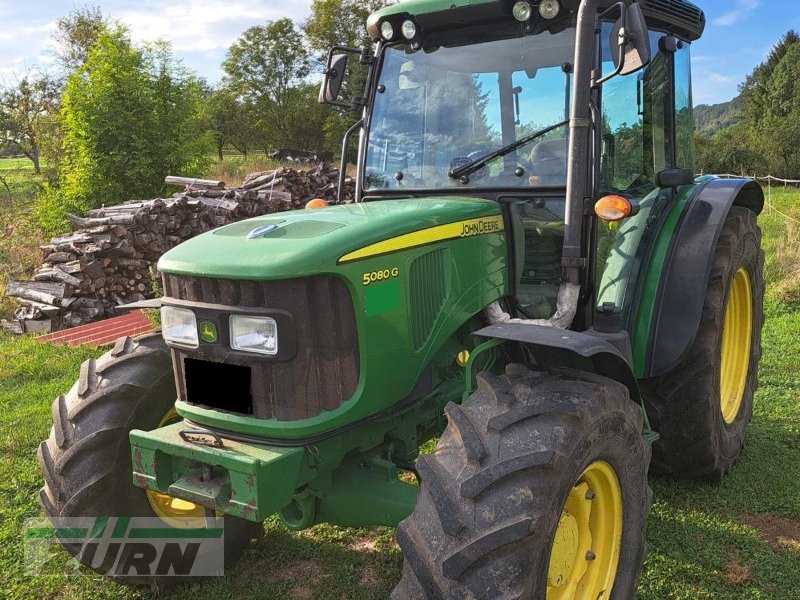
[[50, 210], [130, 117]]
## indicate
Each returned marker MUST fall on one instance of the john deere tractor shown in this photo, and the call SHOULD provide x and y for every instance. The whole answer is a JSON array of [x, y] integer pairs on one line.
[[531, 273]]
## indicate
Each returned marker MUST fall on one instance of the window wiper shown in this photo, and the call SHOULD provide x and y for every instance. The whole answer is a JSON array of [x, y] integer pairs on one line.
[[465, 170]]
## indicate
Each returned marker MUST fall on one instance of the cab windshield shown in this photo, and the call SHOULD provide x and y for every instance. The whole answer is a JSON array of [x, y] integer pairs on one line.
[[437, 110]]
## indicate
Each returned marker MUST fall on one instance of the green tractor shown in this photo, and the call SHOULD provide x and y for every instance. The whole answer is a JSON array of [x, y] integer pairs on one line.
[[531, 273]]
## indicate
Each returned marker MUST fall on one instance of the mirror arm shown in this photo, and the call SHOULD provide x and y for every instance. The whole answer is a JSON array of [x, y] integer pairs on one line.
[[366, 57], [346, 49]]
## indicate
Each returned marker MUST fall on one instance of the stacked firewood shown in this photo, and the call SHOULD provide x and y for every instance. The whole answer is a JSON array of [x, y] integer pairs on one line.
[[110, 257]]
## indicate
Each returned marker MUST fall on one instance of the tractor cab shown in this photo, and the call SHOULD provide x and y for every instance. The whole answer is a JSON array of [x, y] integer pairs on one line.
[[476, 100]]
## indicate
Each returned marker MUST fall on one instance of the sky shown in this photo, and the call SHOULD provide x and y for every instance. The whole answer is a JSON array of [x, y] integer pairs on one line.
[[738, 36]]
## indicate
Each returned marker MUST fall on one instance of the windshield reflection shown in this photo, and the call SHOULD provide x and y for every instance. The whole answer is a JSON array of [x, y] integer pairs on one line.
[[437, 110]]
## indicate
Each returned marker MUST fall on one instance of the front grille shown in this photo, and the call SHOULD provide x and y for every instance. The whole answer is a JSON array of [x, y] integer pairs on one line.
[[321, 376], [428, 294]]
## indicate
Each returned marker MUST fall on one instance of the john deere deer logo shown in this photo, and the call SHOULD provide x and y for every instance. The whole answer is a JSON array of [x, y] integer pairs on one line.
[[208, 332]]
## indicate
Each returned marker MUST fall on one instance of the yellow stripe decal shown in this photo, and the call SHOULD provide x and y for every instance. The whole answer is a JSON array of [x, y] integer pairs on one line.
[[450, 231]]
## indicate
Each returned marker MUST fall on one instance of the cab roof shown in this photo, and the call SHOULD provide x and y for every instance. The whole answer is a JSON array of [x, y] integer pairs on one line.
[[455, 20]]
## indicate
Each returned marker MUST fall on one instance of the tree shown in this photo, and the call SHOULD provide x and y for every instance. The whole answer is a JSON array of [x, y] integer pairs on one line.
[[779, 126], [341, 23], [264, 67], [76, 34], [731, 150], [765, 135], [130, 116], [754, 89], [24, 111], [230, 120]]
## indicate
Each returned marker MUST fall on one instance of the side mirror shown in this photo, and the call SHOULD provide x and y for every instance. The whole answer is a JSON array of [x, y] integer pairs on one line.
[[630, 41], [334, 76]]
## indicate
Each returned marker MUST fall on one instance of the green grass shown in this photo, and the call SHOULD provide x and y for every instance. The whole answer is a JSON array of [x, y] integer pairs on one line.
[[18, 184], [781, 225], [20, 236], [701, 540]]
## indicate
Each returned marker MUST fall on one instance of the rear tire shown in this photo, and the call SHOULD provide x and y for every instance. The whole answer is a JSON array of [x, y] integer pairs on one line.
[[86, 461], [493, 494], [685, 406]]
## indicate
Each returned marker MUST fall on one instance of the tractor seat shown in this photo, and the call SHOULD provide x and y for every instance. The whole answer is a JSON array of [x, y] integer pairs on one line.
[[549, 161]]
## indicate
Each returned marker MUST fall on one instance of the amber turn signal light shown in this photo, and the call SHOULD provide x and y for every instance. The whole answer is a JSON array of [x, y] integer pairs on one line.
[[317, 203], [613, 208]]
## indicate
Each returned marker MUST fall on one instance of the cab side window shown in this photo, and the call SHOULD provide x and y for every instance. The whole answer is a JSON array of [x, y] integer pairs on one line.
[[684, 117], [635, 145]]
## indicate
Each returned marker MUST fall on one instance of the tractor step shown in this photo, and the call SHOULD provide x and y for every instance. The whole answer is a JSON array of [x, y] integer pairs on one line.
[[244, 480]]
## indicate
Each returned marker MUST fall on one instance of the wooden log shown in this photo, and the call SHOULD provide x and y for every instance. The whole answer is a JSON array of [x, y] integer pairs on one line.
[[193, 183], [60, 257], [263, 180], [14, 327], [56, 274], [45, 309], [275, 196], [126, 218], [35, 295], [132, 263], [59, 290], [20, 327], [92, 269]]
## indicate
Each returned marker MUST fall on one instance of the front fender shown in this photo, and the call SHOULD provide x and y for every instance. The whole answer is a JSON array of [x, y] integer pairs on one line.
[[687, 268], [552, 347]]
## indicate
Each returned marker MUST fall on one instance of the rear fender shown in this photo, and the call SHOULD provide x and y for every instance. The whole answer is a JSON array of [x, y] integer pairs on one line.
[[687, 268]]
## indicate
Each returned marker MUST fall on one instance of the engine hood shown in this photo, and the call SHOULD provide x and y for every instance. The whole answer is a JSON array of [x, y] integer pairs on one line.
[[307, 242]]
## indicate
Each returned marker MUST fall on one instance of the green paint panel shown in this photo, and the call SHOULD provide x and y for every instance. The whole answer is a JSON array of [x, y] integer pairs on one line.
[[228, 254], [381, 298], [414, 308], [391, 313], [251, 482], [242, 228]]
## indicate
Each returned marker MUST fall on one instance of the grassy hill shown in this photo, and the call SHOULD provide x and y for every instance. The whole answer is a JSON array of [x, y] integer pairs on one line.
[[711, 118]]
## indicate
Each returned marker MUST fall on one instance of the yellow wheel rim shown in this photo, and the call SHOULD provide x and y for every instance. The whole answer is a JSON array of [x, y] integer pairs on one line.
[[737, 332], [175, 512], [586, 546]]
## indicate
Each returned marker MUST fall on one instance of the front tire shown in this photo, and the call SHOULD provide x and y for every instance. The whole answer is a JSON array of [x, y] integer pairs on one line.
[[86, 460], [530, 464], [702, 408]]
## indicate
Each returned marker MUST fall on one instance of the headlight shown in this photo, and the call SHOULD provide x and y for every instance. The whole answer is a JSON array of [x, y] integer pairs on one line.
[[522, 11], [179, 325], [408, 29], [387, 31], [254, 334], [549, 9]]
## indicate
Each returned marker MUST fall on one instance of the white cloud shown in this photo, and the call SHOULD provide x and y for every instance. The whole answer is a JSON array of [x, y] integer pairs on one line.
[[720, 78], [711, 86], [199, 30], [203, 25], [740, 11]]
